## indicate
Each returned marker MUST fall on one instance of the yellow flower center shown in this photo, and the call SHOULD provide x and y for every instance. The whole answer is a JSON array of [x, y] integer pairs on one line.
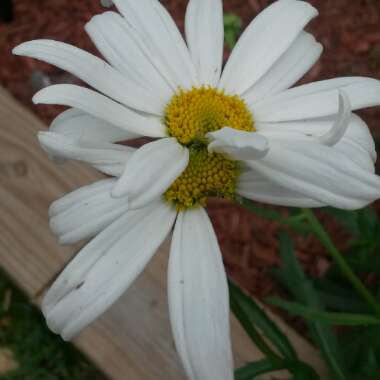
[[207, 175], [192, 114], [189, 116]]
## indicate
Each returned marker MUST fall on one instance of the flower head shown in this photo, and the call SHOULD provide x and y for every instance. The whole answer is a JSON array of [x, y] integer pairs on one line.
[[240, 131]]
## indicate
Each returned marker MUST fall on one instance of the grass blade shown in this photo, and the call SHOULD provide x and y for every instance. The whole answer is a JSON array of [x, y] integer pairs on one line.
[[339, 319], [255, 316], [303, 291], [251, 370]]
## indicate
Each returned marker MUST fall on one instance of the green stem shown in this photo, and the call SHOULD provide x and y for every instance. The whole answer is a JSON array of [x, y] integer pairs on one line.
[[325, 239]]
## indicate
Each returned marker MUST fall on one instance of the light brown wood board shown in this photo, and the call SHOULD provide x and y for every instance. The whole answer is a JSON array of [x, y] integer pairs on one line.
[[133, 339]]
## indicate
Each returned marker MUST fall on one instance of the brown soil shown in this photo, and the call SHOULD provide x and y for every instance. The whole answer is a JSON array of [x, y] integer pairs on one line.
[[350, 33]]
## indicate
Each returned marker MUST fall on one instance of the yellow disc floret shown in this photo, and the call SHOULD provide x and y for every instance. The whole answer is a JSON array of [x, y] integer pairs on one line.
[[191, 114], [207, 175]]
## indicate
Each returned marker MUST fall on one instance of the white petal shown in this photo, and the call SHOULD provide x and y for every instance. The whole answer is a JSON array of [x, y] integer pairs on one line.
[[198, 299], [288, 69], [85, 212], [79, 195], [239, 145], [151, 170], [339, 128], [105, 268], [357, 142], [158, 35], [268, 36], [92, 70], [101, 107], [107, 157], [205, 38], [318, 172], [317, 99], [114, 40], [79, 125], [258, 188]]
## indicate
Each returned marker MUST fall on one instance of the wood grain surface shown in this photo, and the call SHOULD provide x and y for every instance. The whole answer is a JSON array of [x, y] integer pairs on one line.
[[133, 339]]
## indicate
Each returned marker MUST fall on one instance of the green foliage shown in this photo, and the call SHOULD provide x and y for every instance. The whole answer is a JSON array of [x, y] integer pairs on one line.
[[40, 354], [344, 296], [360, 345], [253, 316], [364, 247], [232, 28], [303, 291], [251, 370], [309, 313], [257, 324], [294, 218]]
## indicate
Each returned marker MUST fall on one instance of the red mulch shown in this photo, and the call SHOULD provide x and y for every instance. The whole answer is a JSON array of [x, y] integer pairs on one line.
[[350, 33]]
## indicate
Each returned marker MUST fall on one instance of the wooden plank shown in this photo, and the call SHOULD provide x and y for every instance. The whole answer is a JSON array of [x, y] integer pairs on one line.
[[29, 182], [133, 339]]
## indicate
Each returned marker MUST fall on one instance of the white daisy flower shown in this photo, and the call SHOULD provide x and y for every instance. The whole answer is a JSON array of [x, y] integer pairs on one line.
[[234, 132]]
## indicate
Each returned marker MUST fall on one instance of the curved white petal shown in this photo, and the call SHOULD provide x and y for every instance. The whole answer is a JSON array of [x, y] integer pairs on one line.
[[258, 188], [79, 125], [289, 68], [101, 107], [158, 35], [205, 38], [239, 145], [151, 170], [268, 36], [340, 125], [198, 299], [92, 70], [85, 212], [357, 142], [114, 40], [106, 157], [105, 268], [317, 99], [319, 172]]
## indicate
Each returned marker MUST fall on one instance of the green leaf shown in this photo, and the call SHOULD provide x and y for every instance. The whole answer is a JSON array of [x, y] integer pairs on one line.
[[348, 219], [251, 370], [347, 304], [232, 28], [303, 291], [255, 316], [367, 221], [340, 319], [267, 213], [296, 220], [357, 344]]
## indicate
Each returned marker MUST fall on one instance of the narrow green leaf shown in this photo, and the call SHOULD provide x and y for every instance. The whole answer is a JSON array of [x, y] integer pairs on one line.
[[252, 332], [339, 296], [267, 213], [251, 370], [338, 303], [257, 317], [339, 319], [304, 292], [296, 220], [348, 219]]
